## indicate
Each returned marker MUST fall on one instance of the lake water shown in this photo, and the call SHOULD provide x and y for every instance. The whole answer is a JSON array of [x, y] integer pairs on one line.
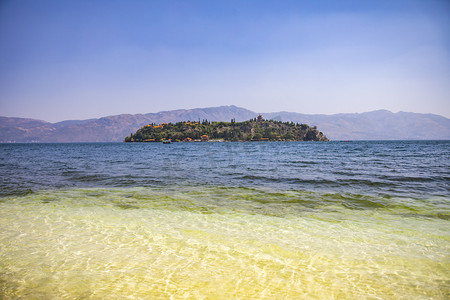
[[274, 220]]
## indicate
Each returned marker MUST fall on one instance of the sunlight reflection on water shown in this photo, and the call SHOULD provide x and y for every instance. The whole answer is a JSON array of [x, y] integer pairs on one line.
[[219, 242]]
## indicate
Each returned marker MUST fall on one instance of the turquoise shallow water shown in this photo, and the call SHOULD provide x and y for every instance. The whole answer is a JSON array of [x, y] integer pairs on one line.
[[211, 221]]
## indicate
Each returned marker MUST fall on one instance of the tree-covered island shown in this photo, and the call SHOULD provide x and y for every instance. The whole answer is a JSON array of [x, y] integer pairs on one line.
[[256, 129]]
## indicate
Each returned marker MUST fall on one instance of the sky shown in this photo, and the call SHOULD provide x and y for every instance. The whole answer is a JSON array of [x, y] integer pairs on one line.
[[80, 59]]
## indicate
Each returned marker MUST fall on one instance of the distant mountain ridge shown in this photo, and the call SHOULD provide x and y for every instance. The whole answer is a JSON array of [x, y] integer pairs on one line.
[[375, 125]]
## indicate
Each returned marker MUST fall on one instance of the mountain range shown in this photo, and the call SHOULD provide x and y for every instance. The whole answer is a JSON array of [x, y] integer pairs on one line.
[[374, 125]]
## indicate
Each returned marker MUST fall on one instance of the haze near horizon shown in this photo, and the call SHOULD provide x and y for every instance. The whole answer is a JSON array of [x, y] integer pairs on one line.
[[63, 60]]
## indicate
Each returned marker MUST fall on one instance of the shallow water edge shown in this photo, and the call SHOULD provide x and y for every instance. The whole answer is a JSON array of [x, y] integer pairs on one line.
[[215, 242]]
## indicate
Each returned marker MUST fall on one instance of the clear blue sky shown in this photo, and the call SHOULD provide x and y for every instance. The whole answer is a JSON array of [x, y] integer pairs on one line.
[[80, 59]]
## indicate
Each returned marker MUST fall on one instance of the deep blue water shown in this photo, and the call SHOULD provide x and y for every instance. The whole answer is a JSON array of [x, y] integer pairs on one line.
[[387, 168]]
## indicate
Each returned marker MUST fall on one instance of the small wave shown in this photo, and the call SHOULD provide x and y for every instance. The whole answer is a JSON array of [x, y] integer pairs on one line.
[[356, 201], [302, 162], [410, 179], [287, 180], [322, 183], [445, 217], [81, 176], [15, 192], [126, 206]]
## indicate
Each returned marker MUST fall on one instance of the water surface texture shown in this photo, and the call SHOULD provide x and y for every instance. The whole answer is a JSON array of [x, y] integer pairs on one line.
[[281, 220]]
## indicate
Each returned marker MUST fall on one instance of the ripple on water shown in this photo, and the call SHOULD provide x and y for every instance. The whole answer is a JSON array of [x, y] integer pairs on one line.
[[198, 242]]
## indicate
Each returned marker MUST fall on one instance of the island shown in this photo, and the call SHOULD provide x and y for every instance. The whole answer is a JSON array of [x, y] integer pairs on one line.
[[256, 129]]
